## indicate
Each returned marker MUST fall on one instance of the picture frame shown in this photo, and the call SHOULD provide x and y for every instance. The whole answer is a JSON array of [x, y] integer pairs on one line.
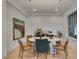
[[18, 29]]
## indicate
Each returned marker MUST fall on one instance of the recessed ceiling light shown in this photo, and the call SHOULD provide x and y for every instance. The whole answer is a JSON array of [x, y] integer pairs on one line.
[[56, 9], [34, 9]]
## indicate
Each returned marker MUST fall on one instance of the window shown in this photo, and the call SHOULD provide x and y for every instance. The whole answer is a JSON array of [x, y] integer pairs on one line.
[[72, 25]]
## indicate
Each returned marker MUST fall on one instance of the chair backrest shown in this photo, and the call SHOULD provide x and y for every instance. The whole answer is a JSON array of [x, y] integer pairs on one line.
[[66, 44], [20, 44], [28, 36], [42, 45]]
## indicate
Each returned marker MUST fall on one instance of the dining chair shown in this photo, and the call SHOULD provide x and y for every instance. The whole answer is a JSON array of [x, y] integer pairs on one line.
[[42, 46], [28, 37], [23, 48], [63, 48], [58, 42]]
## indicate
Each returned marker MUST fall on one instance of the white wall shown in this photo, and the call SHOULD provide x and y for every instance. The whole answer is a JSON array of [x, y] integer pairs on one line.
[[12, 12], [47, 23], [4, 43]]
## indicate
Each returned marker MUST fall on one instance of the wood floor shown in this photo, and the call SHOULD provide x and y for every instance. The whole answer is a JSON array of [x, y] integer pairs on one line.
[[72, 55]]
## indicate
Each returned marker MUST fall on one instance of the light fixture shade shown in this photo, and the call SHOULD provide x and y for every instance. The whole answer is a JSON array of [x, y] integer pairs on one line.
[[60, 0], [29, 0], [34, 9]]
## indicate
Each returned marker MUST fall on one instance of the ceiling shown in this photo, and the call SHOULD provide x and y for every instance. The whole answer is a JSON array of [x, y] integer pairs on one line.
[[45, 6]]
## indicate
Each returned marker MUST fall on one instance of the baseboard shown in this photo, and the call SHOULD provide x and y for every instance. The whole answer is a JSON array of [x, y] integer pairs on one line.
[[73, 42], [12, 50]]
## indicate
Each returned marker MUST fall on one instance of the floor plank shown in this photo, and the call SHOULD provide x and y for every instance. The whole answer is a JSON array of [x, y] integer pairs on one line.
[[72, 55]]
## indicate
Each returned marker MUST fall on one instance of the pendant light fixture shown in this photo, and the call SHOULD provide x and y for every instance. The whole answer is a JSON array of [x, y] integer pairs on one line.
[[29, 0]]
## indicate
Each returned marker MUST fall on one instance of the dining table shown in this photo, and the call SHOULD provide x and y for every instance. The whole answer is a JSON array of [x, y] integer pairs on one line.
[[49, 39]]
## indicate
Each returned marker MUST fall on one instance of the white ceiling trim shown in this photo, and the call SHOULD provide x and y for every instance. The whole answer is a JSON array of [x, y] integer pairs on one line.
[[45, 14]]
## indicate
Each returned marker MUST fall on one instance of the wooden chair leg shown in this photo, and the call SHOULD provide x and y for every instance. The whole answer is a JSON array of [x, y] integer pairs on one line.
[[56, 51], [19, 52], [22, 55], [65, 54], [34, 52], [37, 55], [46, 55]]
